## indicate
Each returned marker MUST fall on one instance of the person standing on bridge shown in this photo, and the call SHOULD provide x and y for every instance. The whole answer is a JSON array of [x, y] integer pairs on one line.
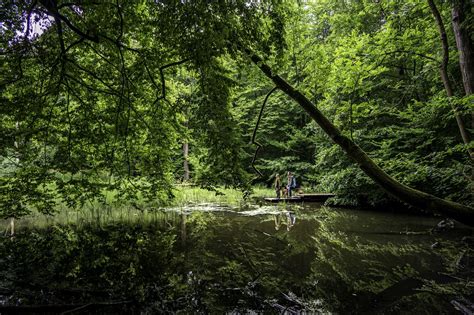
[[291, 184], [277, 185]]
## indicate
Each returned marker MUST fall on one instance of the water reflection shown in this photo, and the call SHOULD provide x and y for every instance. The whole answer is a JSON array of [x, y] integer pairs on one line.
[[265, 259], [291, 220], [277, 218], [183, 228], [288, 218]]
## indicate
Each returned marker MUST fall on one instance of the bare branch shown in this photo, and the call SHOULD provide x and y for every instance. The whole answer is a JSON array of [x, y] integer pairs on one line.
[[411, 53], [162, 76], [255, 132], [77, 42], [150, 76]]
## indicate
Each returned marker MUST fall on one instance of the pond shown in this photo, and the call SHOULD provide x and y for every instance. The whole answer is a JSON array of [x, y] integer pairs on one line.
[[219, 259]]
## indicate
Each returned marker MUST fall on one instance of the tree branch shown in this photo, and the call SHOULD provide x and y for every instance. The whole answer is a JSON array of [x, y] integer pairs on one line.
[[102, 56], [409, 52], [121, 21], [255, 131], [162, 76], [52, 9], [444, 41]]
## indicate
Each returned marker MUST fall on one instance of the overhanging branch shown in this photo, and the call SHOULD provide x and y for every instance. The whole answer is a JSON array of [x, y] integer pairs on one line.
[[255, 132]]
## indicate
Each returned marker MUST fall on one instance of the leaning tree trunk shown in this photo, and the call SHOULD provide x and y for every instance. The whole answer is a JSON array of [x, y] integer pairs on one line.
[[407, 194], [444, 74]]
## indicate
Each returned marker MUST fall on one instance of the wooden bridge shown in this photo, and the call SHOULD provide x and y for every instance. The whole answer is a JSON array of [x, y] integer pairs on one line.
[[315, 197]]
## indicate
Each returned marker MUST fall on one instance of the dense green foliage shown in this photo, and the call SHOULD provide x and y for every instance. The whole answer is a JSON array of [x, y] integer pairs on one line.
[[91, 102], [103, 97], [373, 69]]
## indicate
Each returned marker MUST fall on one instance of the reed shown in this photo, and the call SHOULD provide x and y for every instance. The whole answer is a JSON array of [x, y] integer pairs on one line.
[[138, 211]]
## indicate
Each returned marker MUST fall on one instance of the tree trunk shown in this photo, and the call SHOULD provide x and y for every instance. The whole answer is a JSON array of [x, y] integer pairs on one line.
[[186, 155], [465, 47], [464, 44], [444, 74], [185, 163], [407, 194], [466, 53], [17, 161]]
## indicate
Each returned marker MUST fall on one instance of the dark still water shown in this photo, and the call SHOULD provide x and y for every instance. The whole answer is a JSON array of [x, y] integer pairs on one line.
[[215, 259]]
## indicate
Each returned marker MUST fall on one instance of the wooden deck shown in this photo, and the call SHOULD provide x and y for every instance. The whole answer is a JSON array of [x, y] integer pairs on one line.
[[316, 197]]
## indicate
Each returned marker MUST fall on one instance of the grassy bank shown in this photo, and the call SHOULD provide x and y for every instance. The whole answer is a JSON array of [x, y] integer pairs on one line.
[[138, 211]]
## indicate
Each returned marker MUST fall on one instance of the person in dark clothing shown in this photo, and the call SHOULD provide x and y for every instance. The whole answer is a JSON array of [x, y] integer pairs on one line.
[[277, 185]]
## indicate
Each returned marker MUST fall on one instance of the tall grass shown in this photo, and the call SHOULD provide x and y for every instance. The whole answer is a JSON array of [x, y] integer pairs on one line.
[[191, 195], [139, 211], [97, 214]]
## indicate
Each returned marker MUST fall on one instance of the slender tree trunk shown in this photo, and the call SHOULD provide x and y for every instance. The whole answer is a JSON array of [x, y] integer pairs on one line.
[[407, 194], [17, 161], [444, 75], [186, 156], [186, 163]]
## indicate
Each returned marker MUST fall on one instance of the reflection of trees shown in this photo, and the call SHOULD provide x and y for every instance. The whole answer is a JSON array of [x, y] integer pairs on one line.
[[246, 259], [183, 229], [362, 271], [204, 261], [88, 263]]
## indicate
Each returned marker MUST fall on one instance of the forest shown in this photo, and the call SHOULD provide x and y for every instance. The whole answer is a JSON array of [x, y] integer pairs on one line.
[[138, 140]]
